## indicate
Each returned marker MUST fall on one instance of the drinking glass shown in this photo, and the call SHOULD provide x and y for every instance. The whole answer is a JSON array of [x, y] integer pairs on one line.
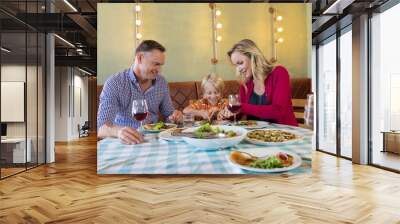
[[188, 120], [140, 111], [234, 105]]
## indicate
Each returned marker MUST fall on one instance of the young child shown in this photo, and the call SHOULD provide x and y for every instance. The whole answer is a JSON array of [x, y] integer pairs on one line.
[[212, 103]]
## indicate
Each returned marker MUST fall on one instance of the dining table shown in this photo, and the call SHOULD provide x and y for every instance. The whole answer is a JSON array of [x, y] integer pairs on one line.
[[158, 156]]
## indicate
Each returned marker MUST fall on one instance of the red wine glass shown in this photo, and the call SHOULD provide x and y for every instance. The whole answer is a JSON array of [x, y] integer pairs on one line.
[[140, 110], [234, 105]]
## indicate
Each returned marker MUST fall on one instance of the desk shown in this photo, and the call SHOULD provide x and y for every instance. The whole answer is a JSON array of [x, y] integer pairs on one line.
[[391, 141], [15, 148]]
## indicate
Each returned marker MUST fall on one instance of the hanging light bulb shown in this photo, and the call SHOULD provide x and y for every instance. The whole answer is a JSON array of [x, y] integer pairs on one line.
[[280, 29], [219, 38], [138, 36], [219, 25], [138, 22], [138, 8], [280, 40], [279, 18], [217, 13]]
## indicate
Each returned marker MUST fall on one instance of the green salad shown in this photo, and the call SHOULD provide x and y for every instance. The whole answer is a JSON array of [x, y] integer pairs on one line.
[[269, 163], [206, 130], [159, 126]]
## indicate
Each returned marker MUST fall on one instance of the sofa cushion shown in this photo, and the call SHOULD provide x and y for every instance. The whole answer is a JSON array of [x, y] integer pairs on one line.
[[181, 93]]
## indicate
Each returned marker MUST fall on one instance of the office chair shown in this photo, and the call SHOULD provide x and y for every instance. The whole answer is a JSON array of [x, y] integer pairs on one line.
[[84, 130]]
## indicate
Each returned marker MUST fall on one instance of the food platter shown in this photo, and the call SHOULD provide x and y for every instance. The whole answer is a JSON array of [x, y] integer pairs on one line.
[[228, 136], [250, 124], [272, 137], [158, 127], [262, 155]]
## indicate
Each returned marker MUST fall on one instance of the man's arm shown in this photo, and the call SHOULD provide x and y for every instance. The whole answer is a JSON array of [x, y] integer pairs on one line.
[[127, 135], [108, 108], [166, 106], [108, 130]]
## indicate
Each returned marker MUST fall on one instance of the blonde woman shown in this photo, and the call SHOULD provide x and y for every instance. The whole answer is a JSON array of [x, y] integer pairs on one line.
[[211, 103], [265, 93]]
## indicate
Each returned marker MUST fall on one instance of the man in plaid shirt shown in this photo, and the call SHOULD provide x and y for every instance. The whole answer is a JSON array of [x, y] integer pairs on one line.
[[141, 81]]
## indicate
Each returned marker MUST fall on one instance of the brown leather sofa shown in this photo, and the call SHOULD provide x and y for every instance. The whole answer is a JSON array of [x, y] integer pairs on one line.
[[182, 92]]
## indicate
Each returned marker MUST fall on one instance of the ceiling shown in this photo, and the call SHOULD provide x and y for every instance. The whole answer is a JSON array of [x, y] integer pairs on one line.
[[78, 24]]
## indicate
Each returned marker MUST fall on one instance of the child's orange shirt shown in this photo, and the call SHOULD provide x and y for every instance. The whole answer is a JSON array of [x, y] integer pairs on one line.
[[203, 104]]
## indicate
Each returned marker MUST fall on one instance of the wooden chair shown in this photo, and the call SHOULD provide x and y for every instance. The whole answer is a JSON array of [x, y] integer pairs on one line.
[[298, 108]]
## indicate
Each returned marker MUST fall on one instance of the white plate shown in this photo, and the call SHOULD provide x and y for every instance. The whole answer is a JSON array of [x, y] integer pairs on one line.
[[216, 143], [262, 152], [298, 138], [167, 135], [259, 125], [222, 122], [157, 131]]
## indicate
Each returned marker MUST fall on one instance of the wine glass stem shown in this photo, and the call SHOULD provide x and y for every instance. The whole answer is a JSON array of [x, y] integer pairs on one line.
[[234, 118]]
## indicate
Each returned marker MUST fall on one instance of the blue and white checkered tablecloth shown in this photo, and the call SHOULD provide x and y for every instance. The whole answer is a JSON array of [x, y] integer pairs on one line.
[[157, 156]]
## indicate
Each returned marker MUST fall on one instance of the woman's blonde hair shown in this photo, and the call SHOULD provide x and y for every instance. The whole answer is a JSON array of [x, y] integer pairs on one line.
[[260, 67], [215, 80]]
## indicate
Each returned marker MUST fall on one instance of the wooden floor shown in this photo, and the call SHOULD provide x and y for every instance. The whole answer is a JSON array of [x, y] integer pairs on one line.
[[386, 159], [70, 191], [10, 171]]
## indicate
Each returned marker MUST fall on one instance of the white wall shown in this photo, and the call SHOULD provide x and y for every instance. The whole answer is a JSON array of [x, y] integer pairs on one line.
[[61, 103], [79, 117], [33, 127], [13, 73], [69, 82]]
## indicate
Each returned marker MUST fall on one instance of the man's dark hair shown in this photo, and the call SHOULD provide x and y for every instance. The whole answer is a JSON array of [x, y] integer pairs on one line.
[[149, 45]]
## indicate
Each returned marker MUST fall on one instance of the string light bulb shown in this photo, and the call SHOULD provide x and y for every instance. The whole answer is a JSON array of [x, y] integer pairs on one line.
[[277, 28], [138, 23], [216, 27]]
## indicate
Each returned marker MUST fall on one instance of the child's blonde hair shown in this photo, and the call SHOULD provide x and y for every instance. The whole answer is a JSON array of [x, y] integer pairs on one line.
[[215, 80]]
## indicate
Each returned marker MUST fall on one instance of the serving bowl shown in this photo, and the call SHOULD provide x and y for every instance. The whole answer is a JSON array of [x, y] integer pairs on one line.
[[219, 141]]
